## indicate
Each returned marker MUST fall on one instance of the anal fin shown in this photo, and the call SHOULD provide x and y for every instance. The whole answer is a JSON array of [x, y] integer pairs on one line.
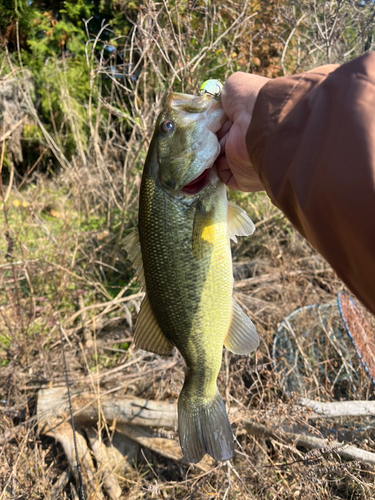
[[242, 337], [148, 334]]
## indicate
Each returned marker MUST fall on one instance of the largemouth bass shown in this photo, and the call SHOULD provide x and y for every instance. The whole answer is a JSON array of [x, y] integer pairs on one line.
[[181, 254]]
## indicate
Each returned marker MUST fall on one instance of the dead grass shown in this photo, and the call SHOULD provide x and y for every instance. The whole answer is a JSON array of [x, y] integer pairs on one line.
[[99, 360]]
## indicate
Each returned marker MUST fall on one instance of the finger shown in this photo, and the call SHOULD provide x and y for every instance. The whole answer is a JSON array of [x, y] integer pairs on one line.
[[223, 143], [225, 173], [224, 129], [245, 178]]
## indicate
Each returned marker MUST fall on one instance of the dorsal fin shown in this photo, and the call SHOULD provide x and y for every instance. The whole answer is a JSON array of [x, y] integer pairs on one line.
[[242, 337], [148, 334], [133, 249], [239, 223]]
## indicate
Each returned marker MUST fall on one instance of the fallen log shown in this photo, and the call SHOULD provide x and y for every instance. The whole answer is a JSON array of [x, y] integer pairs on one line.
[[63, 433], [132, 417], [86, 407], [99, 449], [138, 411]]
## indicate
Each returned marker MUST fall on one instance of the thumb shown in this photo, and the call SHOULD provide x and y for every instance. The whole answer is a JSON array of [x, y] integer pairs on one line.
[[239, 94]]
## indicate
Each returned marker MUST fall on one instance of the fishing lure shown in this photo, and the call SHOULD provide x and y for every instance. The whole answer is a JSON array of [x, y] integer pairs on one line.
[[212, 88]]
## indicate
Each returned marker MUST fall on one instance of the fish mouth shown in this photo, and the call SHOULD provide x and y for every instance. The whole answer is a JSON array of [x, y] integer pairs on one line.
[[207, 116], [195, 108], [199, 183]]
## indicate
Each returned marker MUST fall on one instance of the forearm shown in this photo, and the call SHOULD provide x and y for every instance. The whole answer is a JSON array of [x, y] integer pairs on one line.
[[312, 142]]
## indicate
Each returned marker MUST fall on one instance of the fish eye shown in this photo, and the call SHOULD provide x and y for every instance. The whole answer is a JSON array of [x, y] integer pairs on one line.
[[167, 126]]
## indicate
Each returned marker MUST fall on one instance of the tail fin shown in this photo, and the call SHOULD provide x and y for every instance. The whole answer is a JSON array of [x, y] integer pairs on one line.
[[204, 428]]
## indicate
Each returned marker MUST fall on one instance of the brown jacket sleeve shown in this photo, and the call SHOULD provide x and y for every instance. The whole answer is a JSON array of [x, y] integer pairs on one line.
[[312, 142]]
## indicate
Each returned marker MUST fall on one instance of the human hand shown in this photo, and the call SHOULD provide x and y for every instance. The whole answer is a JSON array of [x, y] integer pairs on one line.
[[238, 99]]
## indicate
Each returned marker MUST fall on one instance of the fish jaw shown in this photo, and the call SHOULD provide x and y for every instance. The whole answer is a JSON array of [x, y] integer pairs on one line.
[[191, 147], [198, 108], [204, 179], [207, 148]]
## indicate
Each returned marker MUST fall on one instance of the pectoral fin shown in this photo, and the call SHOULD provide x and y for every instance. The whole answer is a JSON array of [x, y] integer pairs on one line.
[[242, 337], [239, 223], [133, 248], [148, 335]]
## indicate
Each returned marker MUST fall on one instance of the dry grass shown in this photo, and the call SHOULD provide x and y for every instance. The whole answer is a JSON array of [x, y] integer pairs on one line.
[[99, 360], [62, 269]]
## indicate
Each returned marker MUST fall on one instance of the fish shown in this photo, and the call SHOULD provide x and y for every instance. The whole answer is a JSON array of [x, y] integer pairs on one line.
[[181, 254]]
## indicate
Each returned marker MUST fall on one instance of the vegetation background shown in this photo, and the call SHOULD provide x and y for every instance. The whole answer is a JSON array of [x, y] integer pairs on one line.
[[81, 83]]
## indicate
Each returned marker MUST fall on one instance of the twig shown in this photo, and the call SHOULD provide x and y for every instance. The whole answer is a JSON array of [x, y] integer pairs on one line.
[[288, 40], [340, 408], [344, 450], [12, 129], [73, 492], [268, 278], [11, 177], [103, 304], [75, 439], [87, 335], [63, 434], [60, 484]]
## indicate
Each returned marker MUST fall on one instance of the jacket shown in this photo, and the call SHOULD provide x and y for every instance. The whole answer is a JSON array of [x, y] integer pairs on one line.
[[311, 140]]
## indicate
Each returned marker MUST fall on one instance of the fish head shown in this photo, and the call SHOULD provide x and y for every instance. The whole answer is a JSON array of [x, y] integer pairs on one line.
[[186, 143]]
